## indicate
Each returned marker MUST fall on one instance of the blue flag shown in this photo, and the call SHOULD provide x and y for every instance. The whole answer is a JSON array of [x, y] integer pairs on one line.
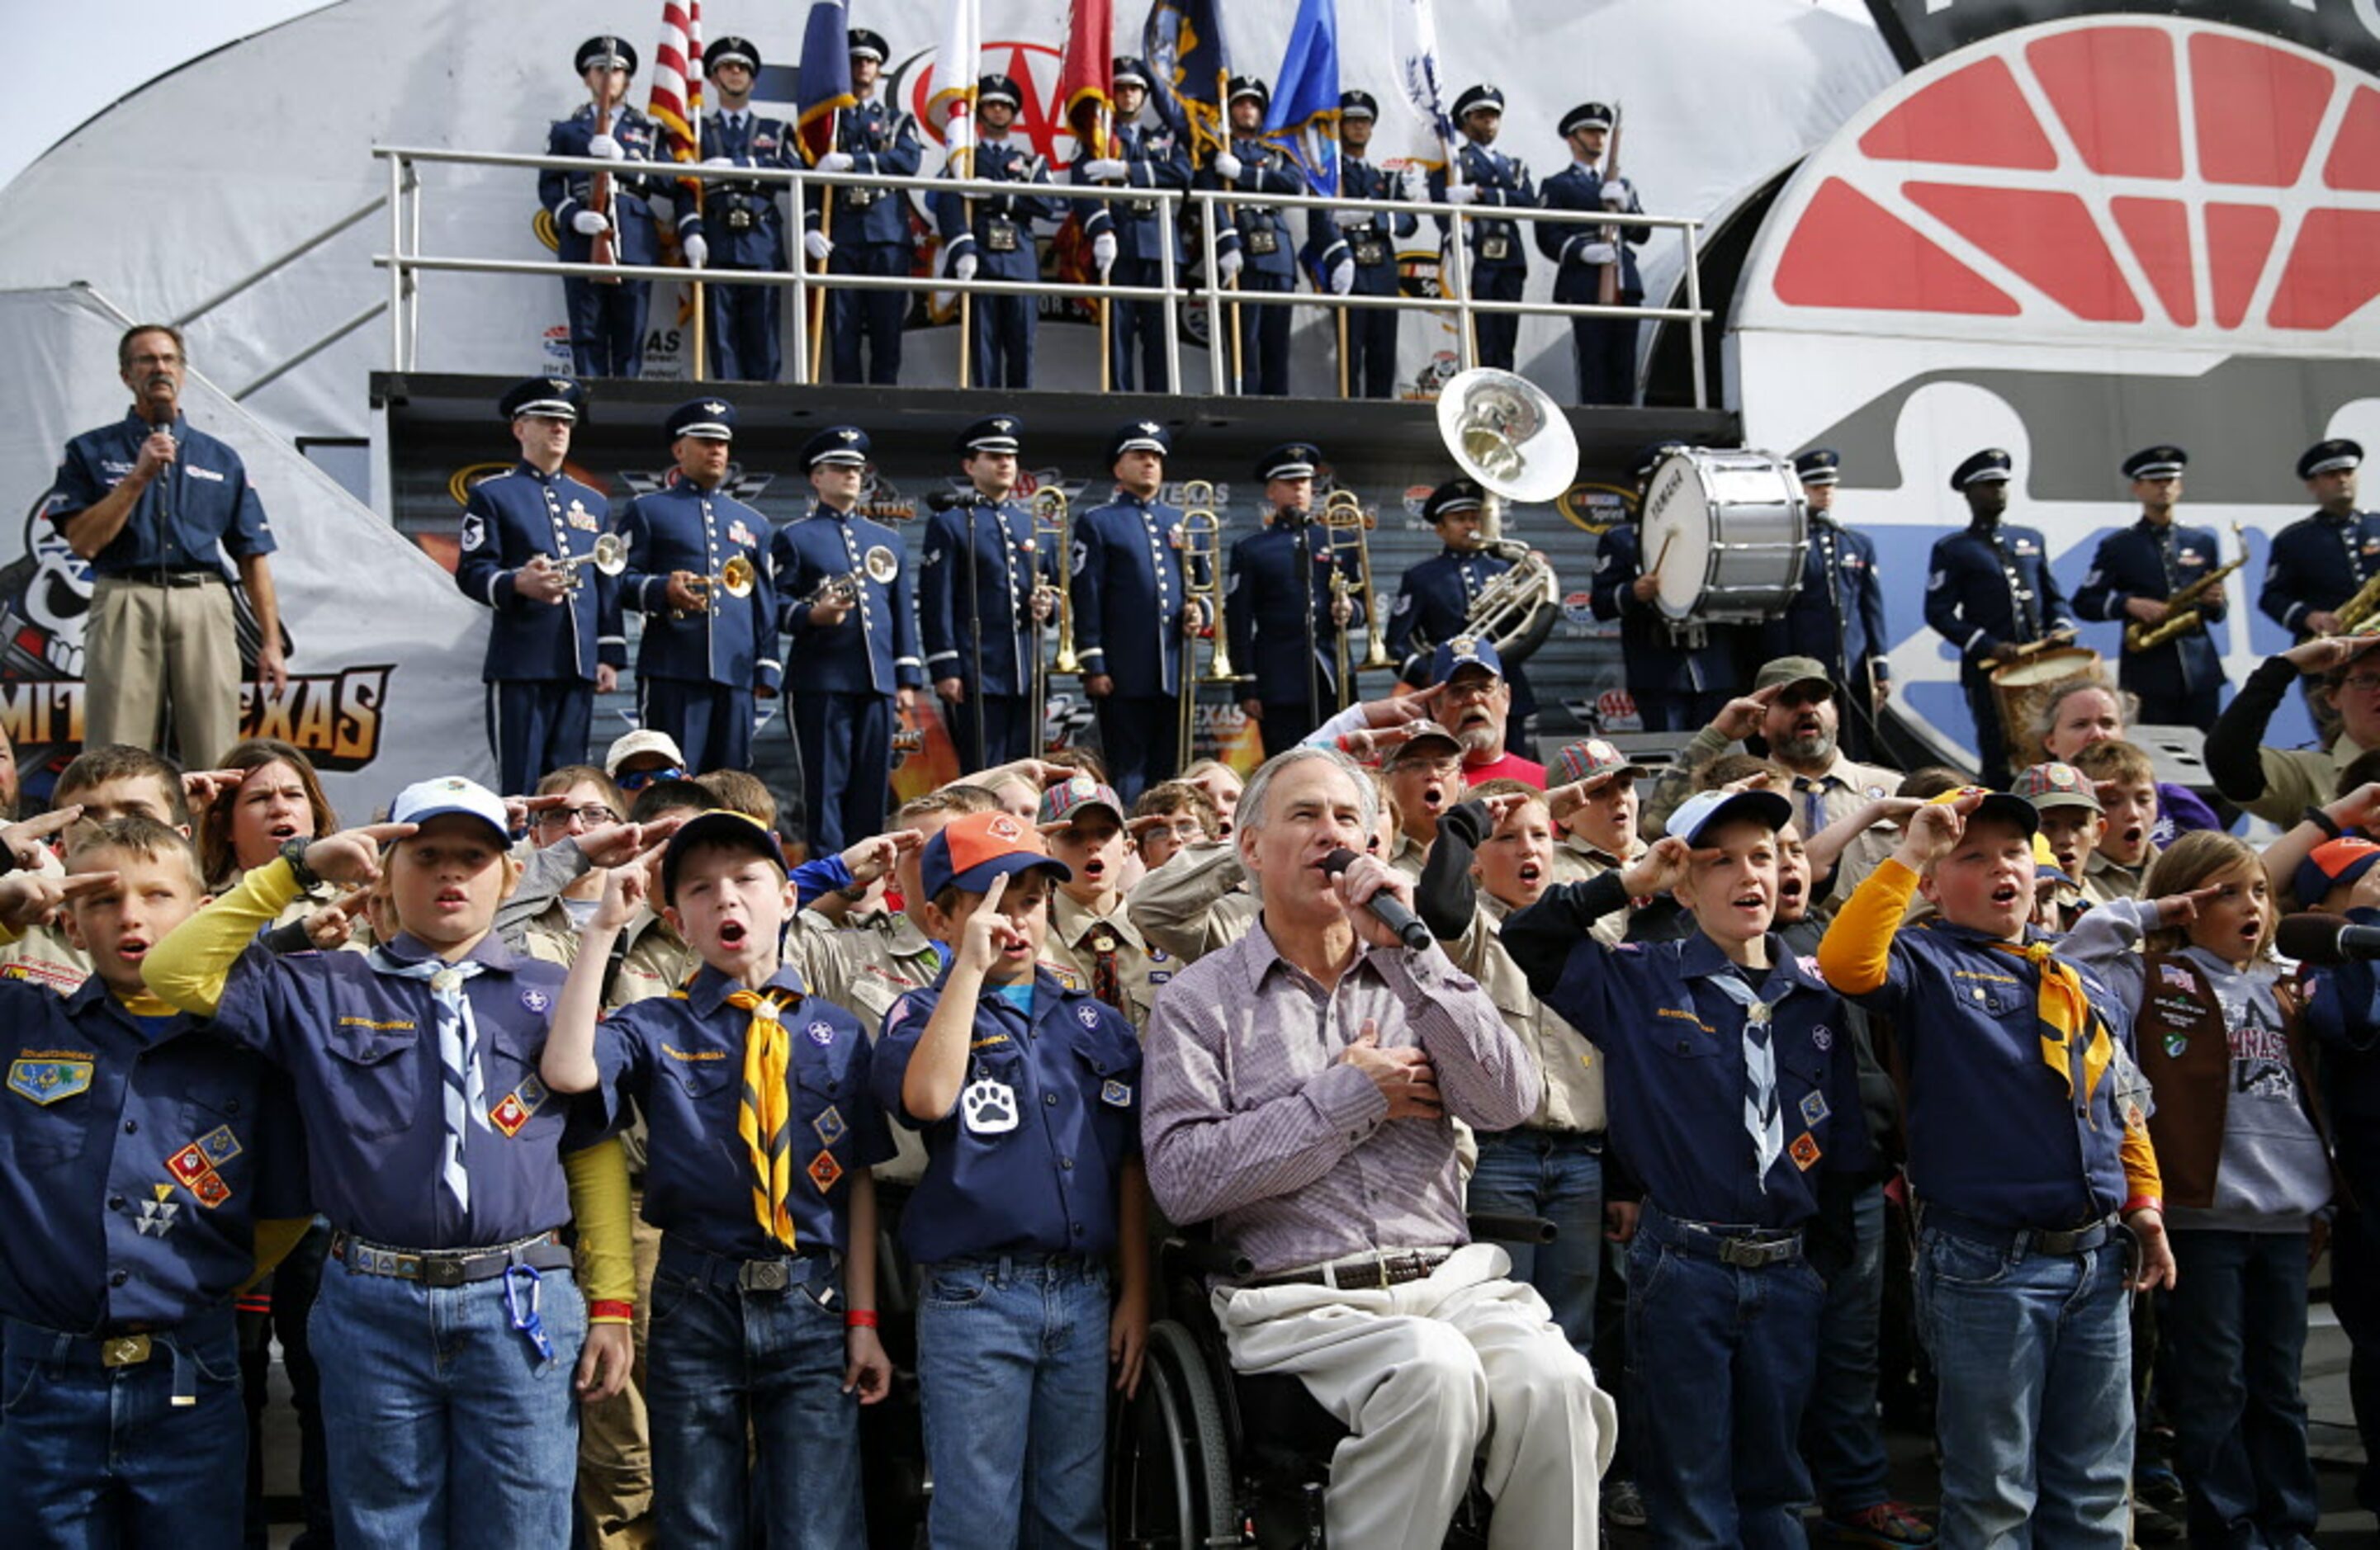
[[823, 88], [1192, 70], [1303, 118]]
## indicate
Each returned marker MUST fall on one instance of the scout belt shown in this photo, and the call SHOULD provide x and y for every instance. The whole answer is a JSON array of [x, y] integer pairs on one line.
[[775, 1273], [1366, 1272], [448, 1267], [2053, 1242]]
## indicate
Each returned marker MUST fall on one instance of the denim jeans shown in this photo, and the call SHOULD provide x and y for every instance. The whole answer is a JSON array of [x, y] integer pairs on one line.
[[446, 1427], [1842, 1437], [1722, 1358], [2033, 1359], [1012, 1358], [2234, 1328], [1557, 1175], [95, 1455], [723, 1365]]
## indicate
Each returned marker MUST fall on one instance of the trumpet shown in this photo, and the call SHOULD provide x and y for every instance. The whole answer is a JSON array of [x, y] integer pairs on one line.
[[735, 578], [842, 587], [1202, 550], [1050, 526], [1347, 524], [2187, 608], [609, 557]]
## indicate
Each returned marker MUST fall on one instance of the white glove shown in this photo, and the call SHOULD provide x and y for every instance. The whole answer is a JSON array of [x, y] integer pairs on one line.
[[835, 161], [964, 267], [1416, 184], [1104, 168], [1345, 219], [1343, 278], [1229, 264], [590, 223], [696, 250], [605, 147], [1104, 251], [1461, 193], [719, 162], [1617, 193], [1599, 252], [1227, 166], [816, 245]]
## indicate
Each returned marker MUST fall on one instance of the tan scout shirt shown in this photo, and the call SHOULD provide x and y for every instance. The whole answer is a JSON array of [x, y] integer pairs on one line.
[[864, 969], [1072, 952], [1197, 904], [2105, 879], [1575, 861], [1572, 1099]]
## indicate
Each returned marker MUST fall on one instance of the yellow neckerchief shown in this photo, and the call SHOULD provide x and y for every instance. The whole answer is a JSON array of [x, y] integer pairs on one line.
[[763, 1113], [2064, 1010]]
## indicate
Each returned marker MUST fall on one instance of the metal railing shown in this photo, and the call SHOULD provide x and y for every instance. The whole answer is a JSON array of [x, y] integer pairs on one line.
[[405, 263]]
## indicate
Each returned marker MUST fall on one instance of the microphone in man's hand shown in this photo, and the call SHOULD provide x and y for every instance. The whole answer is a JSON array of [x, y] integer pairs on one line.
[[2325, 939], [952, 500], [1390, 909]]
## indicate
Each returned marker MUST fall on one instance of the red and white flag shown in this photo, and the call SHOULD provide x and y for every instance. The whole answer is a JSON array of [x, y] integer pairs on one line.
[[676, 102]]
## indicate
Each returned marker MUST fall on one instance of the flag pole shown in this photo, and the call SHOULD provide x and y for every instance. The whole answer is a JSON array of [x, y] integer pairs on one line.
[[966, 299], [826, 229], [701, 312], [1105, 143]]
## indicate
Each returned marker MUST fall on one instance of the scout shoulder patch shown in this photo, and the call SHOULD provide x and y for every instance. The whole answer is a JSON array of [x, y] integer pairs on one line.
[[1115, 1095], [48, 1076], [517, 1105], [1814, 1110], [1805, 1151], [823, 1171]]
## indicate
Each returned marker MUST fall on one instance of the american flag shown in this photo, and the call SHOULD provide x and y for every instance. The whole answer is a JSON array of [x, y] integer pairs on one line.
[[676, 100]]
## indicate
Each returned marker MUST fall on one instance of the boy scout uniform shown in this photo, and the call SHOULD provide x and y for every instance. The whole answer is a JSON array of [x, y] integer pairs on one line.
[[1103, 955]]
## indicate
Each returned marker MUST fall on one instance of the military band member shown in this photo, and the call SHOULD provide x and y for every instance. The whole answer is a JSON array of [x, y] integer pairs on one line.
[[1128, 234], [743, 228], [1678, 673], [871, 232], [1354, 251], [999, 244], [1253, 250], [558, 640], [2319, 562], [1604, 348], [1133, 609], [1283, 621], [1988, 590], [1434, 600], [851, 622], [1837, 614], [607, 321], [1488, 178], [980, 596], [707, 653], [2135, 570]]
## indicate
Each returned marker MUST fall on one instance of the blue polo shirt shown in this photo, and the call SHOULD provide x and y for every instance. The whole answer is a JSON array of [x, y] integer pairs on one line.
[[137, 1155], [1027, 1160], [362, 1050], [1672, 1043], [200, 510], [680, 1057]]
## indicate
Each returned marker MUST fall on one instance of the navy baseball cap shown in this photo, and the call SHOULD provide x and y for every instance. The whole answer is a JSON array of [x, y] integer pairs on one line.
[[722, 829], [1462, 651]]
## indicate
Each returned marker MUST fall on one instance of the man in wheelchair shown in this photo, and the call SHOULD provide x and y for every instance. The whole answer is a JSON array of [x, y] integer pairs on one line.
[[1299, 1089]]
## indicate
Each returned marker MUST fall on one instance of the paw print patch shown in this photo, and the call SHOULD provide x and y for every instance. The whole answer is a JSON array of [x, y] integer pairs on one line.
[[987, 1108]]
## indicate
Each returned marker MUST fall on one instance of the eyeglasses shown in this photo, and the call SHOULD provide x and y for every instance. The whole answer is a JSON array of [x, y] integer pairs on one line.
[[637, 779], [1442, 767], [155, 360], [594, 814], [2362, 683]]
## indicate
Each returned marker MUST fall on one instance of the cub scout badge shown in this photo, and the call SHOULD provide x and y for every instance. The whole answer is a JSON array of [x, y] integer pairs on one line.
[[192, 1170], [1805, 1151], [47, 1075], [823, 1171], [1814, 1110], [1087, 1015], [830, 1126], [987, 1108], [822, 1033], [1115, 1095], [537, 1001], [514, 1112], [157, 1216]]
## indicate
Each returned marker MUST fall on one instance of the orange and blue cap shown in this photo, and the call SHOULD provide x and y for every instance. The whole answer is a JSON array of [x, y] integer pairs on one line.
[[971, 851]]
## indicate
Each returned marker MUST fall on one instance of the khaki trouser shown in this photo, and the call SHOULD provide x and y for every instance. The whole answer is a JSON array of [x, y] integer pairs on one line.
[[615, 1465], [1423, 1373], [148, 648]]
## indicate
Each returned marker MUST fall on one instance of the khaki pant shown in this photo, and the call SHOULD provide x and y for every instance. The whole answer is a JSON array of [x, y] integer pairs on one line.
[[149, 648], [615, 1465], [1424, 1373]]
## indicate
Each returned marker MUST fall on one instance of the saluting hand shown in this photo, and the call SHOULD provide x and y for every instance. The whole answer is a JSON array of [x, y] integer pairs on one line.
[[1933, 831], [29, 842], [1742, 716], [1662, 867], [30, 898], [352, 855], [623, 891], [990, 933]]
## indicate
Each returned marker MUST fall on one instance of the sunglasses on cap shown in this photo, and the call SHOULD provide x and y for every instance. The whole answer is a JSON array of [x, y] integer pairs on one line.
[[637, 779]]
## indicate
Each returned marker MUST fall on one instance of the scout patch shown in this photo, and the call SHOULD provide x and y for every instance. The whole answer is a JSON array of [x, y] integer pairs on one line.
[[822, 1032], [987, 1108], [824, 1170], [2177, 977], [830, 1126], [1824, 1037], [2175, 1044], [210, 1189], [1115, 1095], [1087, 1015], [1066, 977], [1805, 1151], [47, 1075], [535, 1000], [157, 1216], [1814, 1110], [191, 1169], [220, 1146]]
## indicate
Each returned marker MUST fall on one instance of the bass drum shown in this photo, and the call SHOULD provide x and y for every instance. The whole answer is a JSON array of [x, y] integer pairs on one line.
[[1726, 532], [2021, 688]]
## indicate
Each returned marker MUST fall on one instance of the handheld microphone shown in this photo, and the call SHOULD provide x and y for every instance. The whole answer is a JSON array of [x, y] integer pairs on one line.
[[165, 475], [2326, 940], [1391, 912], [952, 500]]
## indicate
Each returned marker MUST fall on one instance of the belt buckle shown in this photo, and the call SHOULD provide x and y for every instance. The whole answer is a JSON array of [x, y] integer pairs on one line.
[[442, 1272], [764, 1274], [123, 1351]]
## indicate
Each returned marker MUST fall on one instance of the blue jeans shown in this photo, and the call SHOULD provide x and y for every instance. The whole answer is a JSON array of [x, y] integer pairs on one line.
[[1721, 1359], [1012, 1359], [2234, 1330], [2033, 1356], [97, 1456], [1841, 1435], [444, 1426], [1557, 1175], [723, 1365]]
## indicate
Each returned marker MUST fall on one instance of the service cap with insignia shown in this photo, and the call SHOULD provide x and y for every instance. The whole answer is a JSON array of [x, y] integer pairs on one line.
[[2326, 457], [706, 419], [544, 397], [1141, 435], [1587, 116], [1819, 466], [991, 433], [846, 444], [611, 52], [1991, 465], [2156, 462], [731, 51]]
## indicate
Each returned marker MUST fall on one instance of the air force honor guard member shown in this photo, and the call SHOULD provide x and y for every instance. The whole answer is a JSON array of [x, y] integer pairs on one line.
[[1837, 614], [870, 230], [1988, 590], [1133, 609], [607, 321], [999, 244], [1143, 157], [1254, 253], [2136, 569], [1354, 251], [2319, 562], [1281, 616], [1492, 180], [851, 620], [741, 223], [1435, 598], [707, 651], [558, 640], [1677, 682], [980, 600], [1604, 348]]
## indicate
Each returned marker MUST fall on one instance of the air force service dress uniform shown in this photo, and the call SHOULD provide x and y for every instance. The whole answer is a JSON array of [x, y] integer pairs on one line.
[[2180, 682], [1368, 246], [1499, 262], [1435, 597], [1260, 235], [542, 656], [851, 672], [745, 230], [1129, 591], [1152, 158], [1837, 614], [607, 321], [981, 567], [1604, 348], [2319, 562], [871, 232], [1001, 240], [1677, 683], [696, 676], [1278, 611]]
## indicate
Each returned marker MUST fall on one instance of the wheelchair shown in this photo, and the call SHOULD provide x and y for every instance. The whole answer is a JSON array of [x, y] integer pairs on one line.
[[1206, 1457]]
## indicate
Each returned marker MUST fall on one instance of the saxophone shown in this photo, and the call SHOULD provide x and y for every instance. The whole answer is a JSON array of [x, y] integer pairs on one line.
[[2187, 608]]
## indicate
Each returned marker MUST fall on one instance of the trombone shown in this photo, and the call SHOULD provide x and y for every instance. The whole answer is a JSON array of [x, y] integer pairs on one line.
[[735, 578], [1347, 526], [609, 557], [1202, 552], [1050, 525]]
